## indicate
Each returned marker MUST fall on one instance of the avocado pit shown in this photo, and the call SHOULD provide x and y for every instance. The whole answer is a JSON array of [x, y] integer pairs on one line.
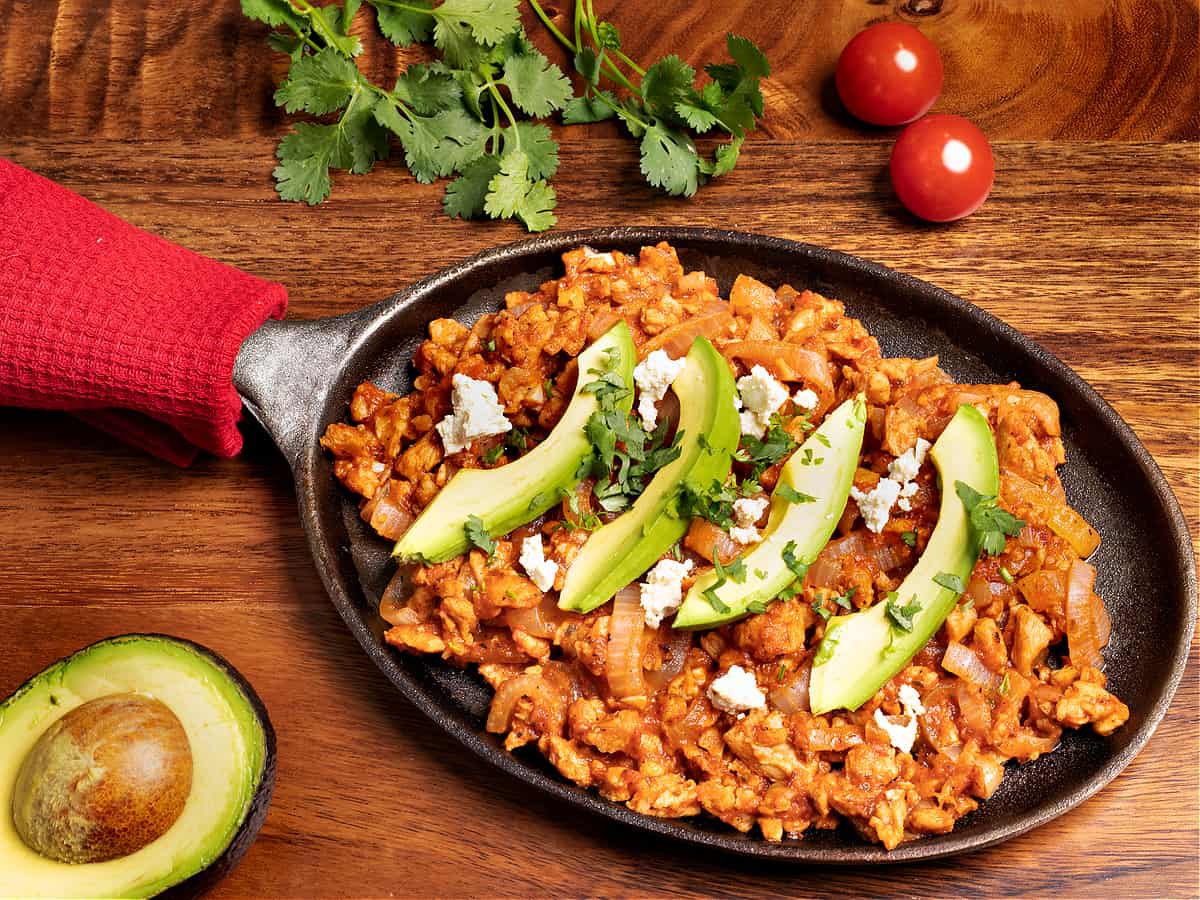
[[104, 781]]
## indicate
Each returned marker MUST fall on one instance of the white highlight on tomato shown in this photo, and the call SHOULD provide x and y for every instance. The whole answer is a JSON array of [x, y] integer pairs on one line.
[[956, 156], [905, 59]]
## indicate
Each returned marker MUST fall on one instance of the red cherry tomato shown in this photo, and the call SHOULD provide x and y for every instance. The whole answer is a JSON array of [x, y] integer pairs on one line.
[[889, 74], [942, 168]]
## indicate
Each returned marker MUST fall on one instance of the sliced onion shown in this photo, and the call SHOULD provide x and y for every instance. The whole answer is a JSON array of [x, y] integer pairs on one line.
[[1061, 519], [566, 676], [625, 626], [962, 661], [393, 607], [792, 696], [889, 554], [382, 513], [830, 561], [706, 539], [677, 650], [985, 593], [600, 324], [1046, 592], [973, 709], [1083, 637], [1103, 622], [540, 621], [713, 322], [531, 685]]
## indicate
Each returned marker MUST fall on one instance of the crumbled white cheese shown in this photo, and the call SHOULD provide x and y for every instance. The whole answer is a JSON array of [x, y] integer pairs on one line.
[[662, 591], [905, 467], [876, 505], [748, 510], [653, 376], [759, 396], [895, 490], [541, 571], [378, 467], [806, 399], [477, 413], [902, 733], [736, 691]]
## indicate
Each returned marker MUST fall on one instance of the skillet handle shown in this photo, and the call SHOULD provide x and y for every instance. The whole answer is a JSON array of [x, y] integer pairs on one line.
[[283, 371]]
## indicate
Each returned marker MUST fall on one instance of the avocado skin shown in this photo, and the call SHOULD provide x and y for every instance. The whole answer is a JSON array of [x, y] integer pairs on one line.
[[256, 813]]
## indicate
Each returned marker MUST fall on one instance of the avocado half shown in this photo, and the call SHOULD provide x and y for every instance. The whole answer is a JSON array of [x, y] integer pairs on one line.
[[233, 753]]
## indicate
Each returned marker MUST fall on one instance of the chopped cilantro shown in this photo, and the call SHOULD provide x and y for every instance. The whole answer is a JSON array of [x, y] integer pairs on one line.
[[1004, 684], [1006, 575], [791, 495], [902, 616], [819, 608], [782, 672], [843, 600], [759, 573], [765, 451], [676, 552], [825, 651], [714, 503], [949, 581], [757, 607], [491, 345], [824, 440], [548, 386], [909, 537], [989, 521], [710, 594], [795, 566], [477, 534], [492, 454]]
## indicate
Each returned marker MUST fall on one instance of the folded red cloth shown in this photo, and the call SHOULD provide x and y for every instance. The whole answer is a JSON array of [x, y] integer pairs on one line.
[[133, 333]]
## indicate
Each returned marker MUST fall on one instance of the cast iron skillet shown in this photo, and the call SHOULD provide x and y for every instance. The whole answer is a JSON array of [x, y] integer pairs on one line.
[[297, 377]]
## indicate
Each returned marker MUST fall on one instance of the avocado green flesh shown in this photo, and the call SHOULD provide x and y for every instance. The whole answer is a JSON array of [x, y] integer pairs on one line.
[[617, 553], [856, 659], [507, 497], [228, 750], [837, 444]]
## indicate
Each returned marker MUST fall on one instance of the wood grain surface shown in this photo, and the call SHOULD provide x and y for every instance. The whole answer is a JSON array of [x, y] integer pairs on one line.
[[161, 112]]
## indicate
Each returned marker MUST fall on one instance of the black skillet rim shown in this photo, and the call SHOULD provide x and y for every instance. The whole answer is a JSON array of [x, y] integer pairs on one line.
[[948, 306]]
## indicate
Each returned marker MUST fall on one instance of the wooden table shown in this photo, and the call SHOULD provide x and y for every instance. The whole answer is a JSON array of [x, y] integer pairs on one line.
[[161, 112]]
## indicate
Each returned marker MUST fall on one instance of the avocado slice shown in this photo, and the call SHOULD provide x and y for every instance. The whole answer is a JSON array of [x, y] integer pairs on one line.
[[822, 469], [861, 651], [509, 496], [617, 553], [233, 766]]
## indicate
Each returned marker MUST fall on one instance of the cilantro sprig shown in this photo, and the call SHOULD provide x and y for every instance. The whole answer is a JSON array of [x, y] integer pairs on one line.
[[471, 114], [989, 522]]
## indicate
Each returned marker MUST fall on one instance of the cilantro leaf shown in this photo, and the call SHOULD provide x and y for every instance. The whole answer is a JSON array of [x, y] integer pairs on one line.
[[538, 145], [588, 109], [669, 161], [949, 581], [697, 117], [791, 495], [426, 90], [487, 21], [989, 522], [821, 610], [318, 84], [537, 85], [478, 536], [437, 145], [272, 12], [795, 566], [909, 538], [665, 84], [509, 186], [465, 194], [306, 155], [902, 616], [404, 27], [746, 54]]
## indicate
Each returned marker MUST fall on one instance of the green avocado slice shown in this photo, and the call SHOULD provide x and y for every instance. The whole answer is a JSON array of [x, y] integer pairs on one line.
[[509, 496], [805, 507], [861, 651], [617, 553], [233, 758]]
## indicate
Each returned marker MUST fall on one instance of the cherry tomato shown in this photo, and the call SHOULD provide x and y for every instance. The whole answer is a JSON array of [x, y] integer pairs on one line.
[[889, 74], [942, 168]]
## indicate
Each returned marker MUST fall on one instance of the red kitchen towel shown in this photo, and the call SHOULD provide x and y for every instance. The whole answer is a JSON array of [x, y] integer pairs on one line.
[[134, 334]]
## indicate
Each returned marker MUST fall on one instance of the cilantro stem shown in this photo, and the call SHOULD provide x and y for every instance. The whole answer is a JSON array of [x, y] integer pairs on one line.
[[498, 99], [614, 73]]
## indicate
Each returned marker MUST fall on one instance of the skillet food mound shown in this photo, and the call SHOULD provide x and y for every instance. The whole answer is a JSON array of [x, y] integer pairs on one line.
[[722, 556]]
